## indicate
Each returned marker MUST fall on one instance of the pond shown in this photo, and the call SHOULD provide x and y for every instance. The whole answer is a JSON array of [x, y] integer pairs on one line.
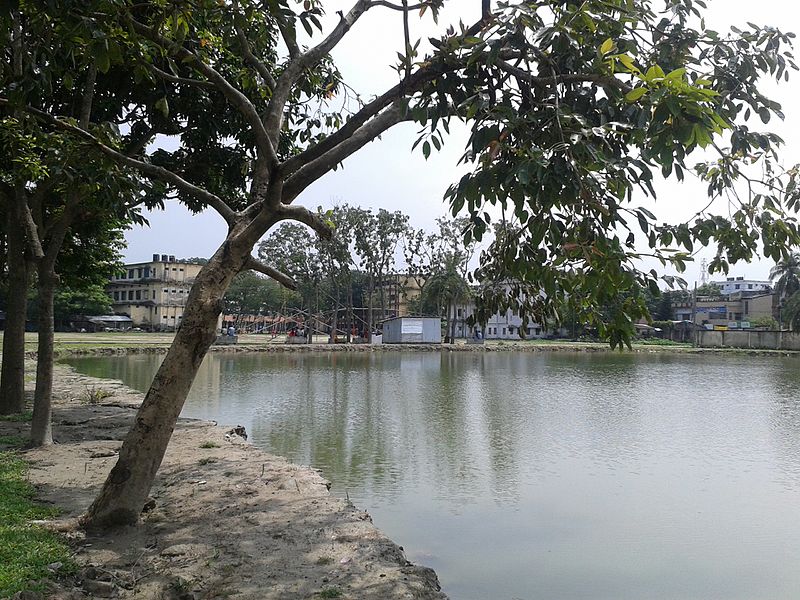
[[550, 476]]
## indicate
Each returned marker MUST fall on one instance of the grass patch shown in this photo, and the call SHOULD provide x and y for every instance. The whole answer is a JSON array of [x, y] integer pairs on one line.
[[25, 549], [24, 417], [206, 461], [331, 592], [94, 395], [660, 342], [209, 445], [15, 441]]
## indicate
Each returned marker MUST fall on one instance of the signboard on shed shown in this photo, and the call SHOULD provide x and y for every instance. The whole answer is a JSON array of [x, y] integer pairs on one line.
[[412, 326]]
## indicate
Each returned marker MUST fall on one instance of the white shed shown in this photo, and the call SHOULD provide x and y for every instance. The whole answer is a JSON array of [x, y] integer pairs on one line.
[[412, 330]]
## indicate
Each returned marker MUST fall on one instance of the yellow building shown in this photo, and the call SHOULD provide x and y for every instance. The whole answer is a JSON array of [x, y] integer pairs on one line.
[[401, 290], [153, 294]]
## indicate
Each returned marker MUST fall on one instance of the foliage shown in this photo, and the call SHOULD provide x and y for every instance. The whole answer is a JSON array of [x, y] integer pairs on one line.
[[787, 273], [709, 289], [791, 312], [764, 322], [253, 294], [95, 395], [25, 550]]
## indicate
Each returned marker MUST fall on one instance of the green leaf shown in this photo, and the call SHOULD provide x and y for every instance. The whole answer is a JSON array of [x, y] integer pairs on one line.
[[162, 106], [606, 46], [635, 94]]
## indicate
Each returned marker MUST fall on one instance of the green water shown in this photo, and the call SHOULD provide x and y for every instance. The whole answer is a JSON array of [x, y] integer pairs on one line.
[[539, 475]]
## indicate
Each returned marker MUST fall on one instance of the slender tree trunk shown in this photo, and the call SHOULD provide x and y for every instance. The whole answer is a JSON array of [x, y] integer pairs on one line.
[[125, 491], [12, 378], [349, 311], [371, 291], [447, 326], [335, 319], [453, 324], [41, 431]]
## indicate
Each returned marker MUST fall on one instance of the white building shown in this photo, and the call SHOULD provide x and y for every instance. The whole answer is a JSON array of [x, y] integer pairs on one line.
[[739, 284], [505, 326]]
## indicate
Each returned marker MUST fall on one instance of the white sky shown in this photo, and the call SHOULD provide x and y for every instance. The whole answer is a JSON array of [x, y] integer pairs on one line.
[[386, 174]]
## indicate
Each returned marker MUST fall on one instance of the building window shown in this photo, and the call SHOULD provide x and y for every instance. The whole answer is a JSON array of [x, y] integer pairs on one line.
[[116, 295], [130, 273], [749, 286], [166, 291], [737, 286], [146, 294], [138, 294], [504, 330]]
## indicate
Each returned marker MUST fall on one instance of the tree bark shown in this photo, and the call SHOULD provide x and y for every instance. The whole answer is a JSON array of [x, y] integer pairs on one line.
[[41, 430], [371, 293], [12, 378], [125, 491]]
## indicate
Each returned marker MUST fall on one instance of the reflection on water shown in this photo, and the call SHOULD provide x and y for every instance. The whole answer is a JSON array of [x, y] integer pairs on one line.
[[547, 476]]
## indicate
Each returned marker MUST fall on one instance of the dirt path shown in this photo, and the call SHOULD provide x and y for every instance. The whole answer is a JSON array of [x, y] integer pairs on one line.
[[228, 521]]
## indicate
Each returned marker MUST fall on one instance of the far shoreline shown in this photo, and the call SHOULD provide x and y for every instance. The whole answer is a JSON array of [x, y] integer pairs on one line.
[[115, 344]]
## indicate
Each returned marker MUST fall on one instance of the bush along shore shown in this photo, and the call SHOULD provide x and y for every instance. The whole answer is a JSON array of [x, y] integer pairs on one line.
[[225, 519]]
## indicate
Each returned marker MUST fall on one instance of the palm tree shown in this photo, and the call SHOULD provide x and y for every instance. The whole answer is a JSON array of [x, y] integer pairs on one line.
[[787, 273]]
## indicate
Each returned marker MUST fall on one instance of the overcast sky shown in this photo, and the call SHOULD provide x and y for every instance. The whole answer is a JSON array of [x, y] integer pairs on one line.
[[386, 174]]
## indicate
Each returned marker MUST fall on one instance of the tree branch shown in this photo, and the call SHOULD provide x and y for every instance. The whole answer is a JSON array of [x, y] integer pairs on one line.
[[296, 66], [237, 99], [249, 57], [152, 171], [175, 79], [88, 97], [307, 217], [315, 169], [254, 265], [604, 80], [369, 110]]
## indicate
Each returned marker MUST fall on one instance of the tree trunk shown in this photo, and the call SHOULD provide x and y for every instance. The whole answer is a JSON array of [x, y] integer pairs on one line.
[[125, 491], [335, 319], [12, 378], [371, 291], [349, 311], [41, 431], [453, 324], [449, 321]]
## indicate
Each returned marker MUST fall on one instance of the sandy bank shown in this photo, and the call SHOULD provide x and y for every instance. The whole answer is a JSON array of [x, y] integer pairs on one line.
[[228, 521]]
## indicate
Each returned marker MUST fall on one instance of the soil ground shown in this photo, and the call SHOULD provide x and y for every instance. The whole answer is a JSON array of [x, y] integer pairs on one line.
[[227, 520]]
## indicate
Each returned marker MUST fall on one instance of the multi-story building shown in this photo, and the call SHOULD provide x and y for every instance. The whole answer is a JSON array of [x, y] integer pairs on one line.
[[401, 290], [153, 294], [732, 311], [739, 284]]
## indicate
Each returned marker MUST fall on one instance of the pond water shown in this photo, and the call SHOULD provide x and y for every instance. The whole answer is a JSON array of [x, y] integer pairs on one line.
[[549, 476]]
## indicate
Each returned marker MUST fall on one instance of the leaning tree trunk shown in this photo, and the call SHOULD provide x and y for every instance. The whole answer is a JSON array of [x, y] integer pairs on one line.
[[12, 378], [41, 431], [125, 491]]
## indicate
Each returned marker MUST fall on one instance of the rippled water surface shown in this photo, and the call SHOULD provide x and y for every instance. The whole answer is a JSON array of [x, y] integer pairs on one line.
[[538, 475]]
